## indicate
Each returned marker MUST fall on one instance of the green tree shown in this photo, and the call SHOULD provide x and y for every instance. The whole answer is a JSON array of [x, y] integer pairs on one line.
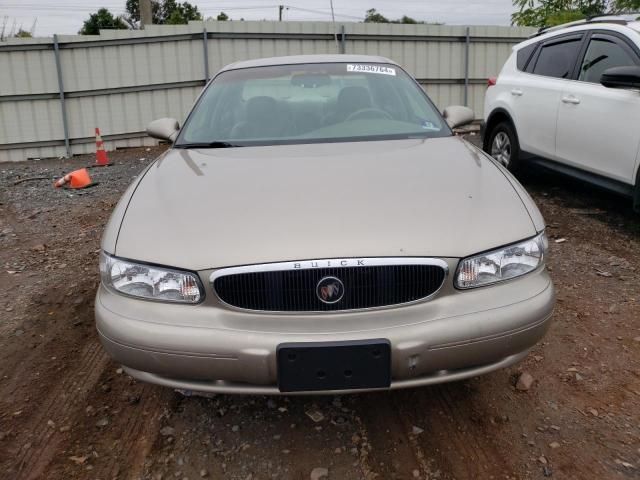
[[409, 20], [545, 13], [187, 11], [565, 16], [164, 12], [23, 34], [176, 18], [372, 16], [627, 6], [133, 11], [104, 19], [222, 17]]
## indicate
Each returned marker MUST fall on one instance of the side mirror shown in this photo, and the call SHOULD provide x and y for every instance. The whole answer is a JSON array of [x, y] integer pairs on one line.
[[457, 116], [164, 129], [621, 77]]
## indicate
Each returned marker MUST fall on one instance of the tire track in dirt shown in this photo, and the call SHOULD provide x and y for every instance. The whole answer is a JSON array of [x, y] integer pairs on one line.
[[137, 432], [139, 439], [460, 446], [447, 444], [52, 365], [391, 454], [70, 391], [127, 441]]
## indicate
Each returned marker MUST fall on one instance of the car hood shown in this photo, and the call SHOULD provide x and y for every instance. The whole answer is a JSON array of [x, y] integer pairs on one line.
[[210, 208]]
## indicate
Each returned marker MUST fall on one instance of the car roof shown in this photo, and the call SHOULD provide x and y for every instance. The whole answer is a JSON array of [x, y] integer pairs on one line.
[[300, 59], [580, 27]]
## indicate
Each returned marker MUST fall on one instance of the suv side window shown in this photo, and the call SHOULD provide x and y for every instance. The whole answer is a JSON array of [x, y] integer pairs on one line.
[[524, 54], [558, 59], [603, 53]]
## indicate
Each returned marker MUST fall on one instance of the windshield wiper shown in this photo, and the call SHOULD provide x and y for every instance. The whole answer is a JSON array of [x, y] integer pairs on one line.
[[216, 144]]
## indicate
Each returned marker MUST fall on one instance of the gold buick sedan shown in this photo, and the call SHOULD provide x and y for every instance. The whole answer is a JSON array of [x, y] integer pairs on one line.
[[316, 227]]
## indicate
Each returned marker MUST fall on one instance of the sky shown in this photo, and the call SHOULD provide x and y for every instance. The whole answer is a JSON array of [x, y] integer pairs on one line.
[[66, 16]]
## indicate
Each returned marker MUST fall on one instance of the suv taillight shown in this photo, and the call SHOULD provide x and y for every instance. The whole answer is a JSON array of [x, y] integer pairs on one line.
[[491, 81]]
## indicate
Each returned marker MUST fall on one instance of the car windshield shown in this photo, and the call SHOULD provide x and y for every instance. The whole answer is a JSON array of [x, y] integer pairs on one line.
[[311, 103]]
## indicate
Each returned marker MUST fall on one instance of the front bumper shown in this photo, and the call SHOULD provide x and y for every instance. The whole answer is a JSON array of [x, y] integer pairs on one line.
[[209, 348]]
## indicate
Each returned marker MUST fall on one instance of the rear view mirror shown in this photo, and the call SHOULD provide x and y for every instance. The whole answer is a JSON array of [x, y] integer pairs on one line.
[[164, 129], [457, 116], [621, 77], [310, 80]]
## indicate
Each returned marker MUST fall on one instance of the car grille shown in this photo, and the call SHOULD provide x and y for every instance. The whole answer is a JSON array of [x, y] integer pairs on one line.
[[366, 283]]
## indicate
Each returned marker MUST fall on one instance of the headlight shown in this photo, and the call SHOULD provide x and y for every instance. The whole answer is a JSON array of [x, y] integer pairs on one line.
[[149, 282], [503, 264]]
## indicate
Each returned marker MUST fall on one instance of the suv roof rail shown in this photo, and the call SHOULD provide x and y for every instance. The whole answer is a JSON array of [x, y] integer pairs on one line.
[[603, 18]]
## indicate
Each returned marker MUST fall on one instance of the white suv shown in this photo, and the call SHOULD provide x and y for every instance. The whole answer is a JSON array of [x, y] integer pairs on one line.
[[569, 99]]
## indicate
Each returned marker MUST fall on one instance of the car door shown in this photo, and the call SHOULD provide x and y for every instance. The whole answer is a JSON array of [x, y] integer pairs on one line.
[[536, 96], [599, 127]]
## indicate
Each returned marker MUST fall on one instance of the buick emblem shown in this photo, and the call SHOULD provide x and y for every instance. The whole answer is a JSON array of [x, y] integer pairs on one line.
[[330, 290]]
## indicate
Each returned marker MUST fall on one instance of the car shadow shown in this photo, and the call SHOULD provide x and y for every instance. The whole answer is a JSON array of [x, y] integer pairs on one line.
[[581, 198]]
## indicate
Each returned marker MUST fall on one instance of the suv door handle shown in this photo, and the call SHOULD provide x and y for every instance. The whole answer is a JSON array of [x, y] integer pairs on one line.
[[516, 92], [570, 99]]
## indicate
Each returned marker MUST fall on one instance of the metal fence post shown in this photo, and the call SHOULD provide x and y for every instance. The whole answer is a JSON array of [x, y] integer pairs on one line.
[[466, 67], [342, 39], [63, 107], [206, 54]]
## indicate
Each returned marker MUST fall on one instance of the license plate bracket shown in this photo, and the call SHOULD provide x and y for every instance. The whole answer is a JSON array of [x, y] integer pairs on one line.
[[318, 366]]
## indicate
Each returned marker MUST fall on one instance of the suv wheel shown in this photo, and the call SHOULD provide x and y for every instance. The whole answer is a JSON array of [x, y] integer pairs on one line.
[[503, 146]]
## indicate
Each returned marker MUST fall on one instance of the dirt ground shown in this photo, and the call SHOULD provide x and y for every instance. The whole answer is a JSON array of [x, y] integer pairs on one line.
[[68, 412]]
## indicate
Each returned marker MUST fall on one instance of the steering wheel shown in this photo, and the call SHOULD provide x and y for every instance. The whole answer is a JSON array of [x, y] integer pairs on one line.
[[369, 113]]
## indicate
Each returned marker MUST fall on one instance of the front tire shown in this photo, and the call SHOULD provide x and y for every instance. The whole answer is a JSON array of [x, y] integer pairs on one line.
[[504, 147]]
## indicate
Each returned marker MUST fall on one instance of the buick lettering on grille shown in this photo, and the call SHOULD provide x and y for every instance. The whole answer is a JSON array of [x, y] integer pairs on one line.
[[331, 284], [355, 262]]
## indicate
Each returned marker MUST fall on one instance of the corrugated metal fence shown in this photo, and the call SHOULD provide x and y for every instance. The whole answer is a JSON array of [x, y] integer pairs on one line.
[[54, 92]]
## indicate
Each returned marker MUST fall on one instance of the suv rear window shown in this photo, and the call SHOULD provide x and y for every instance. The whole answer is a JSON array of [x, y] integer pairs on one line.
[[524, 54], [557, 59]]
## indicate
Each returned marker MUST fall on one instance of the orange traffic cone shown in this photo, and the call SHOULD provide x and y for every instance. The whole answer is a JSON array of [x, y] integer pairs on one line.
[[101, 155], [76, 179]]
